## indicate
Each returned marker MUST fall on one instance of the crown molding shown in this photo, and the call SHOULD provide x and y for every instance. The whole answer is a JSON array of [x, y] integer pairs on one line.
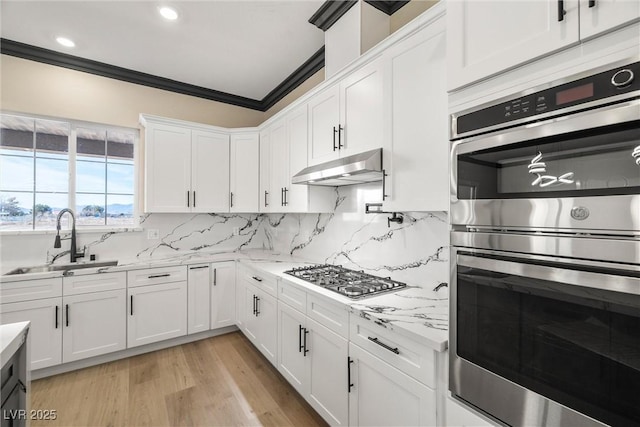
[[51, 57], [388, 7], [330, 12]]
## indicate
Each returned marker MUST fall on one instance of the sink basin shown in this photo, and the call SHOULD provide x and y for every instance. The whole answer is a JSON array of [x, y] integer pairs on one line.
[[60, 267]]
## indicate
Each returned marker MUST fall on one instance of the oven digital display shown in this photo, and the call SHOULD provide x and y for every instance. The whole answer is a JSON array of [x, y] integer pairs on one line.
[[574, 94]]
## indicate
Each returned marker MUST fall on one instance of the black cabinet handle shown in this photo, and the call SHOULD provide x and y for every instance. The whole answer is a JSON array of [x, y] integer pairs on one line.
[[286, 202], [384, 184], [57, 311], [215, 277], [131, 305], [383, 345], [188, 198], [254, 305], [256, 278], [155, 276], [592, 3], [266, 193], [349, 383], [231, 199], [334, 138], [194, 198], [306, 332], [257, 306], [300, 346], [66, 309], [198, 267], [281, 196], [561, 11], [340, 144]]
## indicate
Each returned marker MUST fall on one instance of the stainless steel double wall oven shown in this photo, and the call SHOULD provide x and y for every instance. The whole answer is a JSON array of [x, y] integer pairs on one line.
[[545, 211]]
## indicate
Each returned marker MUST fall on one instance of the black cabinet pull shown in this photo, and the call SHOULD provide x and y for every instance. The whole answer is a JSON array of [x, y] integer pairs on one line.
[[57, 311], [215, 277], [256, 278], [231, 199], [349, 383], [131, 305], [257, 306], [306, 350], [266, 193], [334, 138], [300, 346], [340, 144], [198, 267], [155, 276], [188, 198], [384, 184], [383, 345], [561, 11], [254, 305], [592, 3], [66, 309], [281, 196], [286, 202], [194, 198]]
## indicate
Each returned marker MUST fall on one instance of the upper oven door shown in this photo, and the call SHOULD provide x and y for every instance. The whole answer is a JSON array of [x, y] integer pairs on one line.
[[576, 172]]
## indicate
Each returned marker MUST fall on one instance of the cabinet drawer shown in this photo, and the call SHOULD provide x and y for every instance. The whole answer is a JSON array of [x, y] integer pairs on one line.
[[154, 276], [411, 358], [293, 296], [332, 315], [260, 279], [28, 290], [75, 285]]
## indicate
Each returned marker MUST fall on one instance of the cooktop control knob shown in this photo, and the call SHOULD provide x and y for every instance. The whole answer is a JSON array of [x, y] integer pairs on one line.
[[622, 78]]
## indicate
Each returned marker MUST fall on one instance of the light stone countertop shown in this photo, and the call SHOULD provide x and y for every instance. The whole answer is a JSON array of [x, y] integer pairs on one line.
[[12, 336]]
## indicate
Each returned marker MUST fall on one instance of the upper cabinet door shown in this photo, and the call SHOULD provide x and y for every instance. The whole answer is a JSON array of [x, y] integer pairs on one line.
[[597, 16], [324, 120], [264, 194], [362, 110], [279, 165], [488, 37], [297, 196], [245, 163], [168, 168], [209, 172]]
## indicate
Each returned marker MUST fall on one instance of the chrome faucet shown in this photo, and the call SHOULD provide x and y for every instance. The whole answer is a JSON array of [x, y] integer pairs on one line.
[[73, 251]]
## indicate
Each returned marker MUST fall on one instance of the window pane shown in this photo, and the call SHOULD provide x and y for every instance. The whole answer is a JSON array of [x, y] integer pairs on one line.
[[90, 177], [120, 210], [16, 173], [16, 135], [52, 139], [91, 143], [55, 202], [90, 209], [120, 178], [52, 175], [120, 146], [15, 210]]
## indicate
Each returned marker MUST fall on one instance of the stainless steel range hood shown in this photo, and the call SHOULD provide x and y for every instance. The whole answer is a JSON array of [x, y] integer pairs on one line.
[[355, 169]]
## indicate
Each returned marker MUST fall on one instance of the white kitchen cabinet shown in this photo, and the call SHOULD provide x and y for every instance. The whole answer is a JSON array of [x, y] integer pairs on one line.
[[381, 395], [264, 193], [459, 415], [45, 316], [156, 313], [250, 323], [292, 356], [280, 177], [94, 323], [488, 37], [186, 170], [198, 298], [598, 16], [223, 294], [417, 151], [348, 118], [245, 164]]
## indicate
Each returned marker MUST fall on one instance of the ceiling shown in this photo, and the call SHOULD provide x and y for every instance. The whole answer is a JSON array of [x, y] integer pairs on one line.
[[242, 47]]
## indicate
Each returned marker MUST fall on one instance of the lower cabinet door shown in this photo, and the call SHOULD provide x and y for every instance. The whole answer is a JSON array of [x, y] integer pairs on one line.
[[384, 396], [156, 313], [198, 297], [45, 316], [94, 324], [250, 322], [267, 315], [328, 374], [292, 355], [223, 294]]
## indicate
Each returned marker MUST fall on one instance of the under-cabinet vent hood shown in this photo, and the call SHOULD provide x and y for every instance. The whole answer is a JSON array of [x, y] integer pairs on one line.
[[355, 169]]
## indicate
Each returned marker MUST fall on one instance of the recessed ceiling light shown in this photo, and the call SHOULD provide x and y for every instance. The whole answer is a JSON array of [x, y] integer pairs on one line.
[[65, 42], [168, 13]]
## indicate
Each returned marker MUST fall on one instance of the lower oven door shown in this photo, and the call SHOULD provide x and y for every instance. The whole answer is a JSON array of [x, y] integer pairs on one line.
[[536, 341]]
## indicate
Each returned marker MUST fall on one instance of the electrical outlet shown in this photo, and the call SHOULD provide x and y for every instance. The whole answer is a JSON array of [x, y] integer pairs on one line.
[[153, 234], [236, 231]]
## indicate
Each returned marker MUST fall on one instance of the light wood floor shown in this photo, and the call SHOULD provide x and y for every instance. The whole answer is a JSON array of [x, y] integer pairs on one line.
[[220, 381]]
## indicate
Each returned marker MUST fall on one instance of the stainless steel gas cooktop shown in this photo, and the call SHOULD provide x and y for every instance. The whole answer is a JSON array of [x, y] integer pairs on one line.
[[351, 283]]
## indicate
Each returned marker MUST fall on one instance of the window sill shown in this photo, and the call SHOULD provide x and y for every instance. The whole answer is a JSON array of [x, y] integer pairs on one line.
[[83, 230]]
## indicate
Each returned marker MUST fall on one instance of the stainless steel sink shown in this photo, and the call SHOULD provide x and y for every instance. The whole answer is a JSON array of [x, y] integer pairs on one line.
[[60, 267]]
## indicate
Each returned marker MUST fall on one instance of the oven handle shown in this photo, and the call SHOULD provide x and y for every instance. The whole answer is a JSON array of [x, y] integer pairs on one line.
[[588, 279]]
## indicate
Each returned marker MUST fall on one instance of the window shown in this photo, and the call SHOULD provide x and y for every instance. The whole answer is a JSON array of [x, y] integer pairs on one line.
[[47, 165]]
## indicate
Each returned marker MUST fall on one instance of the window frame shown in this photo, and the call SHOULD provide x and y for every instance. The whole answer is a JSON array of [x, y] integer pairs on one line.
[[74, 125]]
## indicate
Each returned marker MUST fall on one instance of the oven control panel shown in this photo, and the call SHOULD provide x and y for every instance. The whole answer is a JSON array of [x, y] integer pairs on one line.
[[595, 87]]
